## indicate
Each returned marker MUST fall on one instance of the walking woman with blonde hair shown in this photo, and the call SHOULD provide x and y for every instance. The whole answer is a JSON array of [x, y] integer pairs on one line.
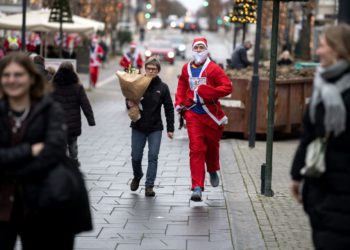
[[326, 192]]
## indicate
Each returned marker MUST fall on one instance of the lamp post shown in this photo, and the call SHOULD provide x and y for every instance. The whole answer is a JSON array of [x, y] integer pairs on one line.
[[255, 79], [266, 168], [24, 16]]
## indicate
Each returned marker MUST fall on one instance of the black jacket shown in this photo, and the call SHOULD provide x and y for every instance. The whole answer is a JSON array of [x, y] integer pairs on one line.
[[71, 95], [45, 124], [156, 95], [239, 58], [327, 199]]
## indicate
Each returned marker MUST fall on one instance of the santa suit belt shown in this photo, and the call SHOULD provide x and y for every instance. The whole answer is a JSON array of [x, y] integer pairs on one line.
[[201, 104]]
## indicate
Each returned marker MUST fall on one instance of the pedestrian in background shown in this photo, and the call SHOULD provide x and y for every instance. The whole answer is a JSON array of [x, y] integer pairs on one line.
[[96, 55], [132, 59], [285, 59], [70, 93], [149, 127], [239, 56], [200, 86], [39, 62], [142, 34], [32, 142], [326, 198]]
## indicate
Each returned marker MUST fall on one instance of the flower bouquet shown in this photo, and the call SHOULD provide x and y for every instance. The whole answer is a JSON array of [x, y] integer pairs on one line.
[[133, 86]]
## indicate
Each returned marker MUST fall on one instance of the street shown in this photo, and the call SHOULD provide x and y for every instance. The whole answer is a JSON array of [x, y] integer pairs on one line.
[[231, 216]]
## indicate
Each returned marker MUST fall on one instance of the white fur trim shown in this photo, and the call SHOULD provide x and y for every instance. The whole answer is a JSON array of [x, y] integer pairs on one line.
[[199, 42]]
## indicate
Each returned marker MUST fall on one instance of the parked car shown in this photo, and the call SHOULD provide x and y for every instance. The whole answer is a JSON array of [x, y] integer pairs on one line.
[[190, 25], [172, 21], [161, 48], [154, 23], [178, 43]]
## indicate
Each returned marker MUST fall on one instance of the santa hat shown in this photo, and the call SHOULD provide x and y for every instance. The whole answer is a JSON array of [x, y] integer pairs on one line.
[[200, 40], [133, 45]]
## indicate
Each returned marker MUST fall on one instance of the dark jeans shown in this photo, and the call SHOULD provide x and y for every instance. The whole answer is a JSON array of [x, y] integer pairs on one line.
[[73, 147], [138, 142]]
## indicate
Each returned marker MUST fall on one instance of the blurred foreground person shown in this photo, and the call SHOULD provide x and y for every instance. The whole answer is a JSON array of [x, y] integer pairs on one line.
[[71, 95], [33, 202], [326, 191], [200, 86], [149, 127]]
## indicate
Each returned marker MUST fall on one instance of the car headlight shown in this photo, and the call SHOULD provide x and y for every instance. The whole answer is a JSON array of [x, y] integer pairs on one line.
[[148, 53], [182, 47], [171, 54]]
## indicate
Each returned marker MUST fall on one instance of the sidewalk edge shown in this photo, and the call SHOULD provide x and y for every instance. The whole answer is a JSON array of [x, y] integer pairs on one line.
[[244, 225]]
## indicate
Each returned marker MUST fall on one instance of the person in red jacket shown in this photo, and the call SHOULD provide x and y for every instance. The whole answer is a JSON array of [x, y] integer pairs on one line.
[[96, 54], [131, 58], [201, 84]]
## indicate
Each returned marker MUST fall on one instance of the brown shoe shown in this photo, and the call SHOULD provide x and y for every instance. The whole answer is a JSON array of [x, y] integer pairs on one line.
[[135, 184], [149, 192]]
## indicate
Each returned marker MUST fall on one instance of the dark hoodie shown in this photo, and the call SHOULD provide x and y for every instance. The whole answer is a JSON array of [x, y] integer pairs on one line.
[[71, 94]]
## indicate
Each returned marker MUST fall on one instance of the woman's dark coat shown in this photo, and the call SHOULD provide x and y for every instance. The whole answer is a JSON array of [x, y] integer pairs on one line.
[[156, 95], [17, 165], [327, 199], [71, 95]]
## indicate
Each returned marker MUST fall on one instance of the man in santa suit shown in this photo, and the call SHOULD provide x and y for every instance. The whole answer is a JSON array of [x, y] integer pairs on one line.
[[131, 58], [12, 43], [201, 84], [96, 54]]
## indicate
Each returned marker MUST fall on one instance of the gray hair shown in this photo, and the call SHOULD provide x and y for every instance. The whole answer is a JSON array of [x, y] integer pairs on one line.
[[246, 42], [154, 61]]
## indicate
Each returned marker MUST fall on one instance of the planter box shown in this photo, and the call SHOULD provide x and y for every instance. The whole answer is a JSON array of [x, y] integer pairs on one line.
[[291, 97]]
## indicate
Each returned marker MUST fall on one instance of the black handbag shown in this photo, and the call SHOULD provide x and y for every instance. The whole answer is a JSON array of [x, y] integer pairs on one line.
[[63, 190], [59, 186]]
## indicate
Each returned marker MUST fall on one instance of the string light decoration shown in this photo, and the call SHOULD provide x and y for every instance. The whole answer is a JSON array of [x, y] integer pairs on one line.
[[244, 11]]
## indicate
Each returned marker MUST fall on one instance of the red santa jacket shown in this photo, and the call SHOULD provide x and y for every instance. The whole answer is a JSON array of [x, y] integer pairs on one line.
[[217, 85], [96, 54], [126, 61]]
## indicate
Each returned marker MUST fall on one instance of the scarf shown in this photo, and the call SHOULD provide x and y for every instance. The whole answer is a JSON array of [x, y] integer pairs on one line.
[[329, 84]]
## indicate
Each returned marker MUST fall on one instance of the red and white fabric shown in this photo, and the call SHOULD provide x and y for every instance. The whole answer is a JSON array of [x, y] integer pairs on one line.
[[95, 56], [204, 130], [126, 61]]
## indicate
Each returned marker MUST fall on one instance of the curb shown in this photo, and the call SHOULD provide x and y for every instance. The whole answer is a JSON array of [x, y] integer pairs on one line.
[[245, 231]]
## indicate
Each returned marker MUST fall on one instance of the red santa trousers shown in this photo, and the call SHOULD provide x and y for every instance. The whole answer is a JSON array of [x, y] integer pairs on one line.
[[94, 75], [204, 146]]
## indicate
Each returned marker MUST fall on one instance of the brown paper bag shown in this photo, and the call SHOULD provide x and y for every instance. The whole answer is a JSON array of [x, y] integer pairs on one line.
[[134, 113], [133, 85]]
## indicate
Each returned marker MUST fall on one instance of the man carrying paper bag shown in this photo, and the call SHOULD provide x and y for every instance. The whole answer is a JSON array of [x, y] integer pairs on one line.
[[133, 87], [148, 128]]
